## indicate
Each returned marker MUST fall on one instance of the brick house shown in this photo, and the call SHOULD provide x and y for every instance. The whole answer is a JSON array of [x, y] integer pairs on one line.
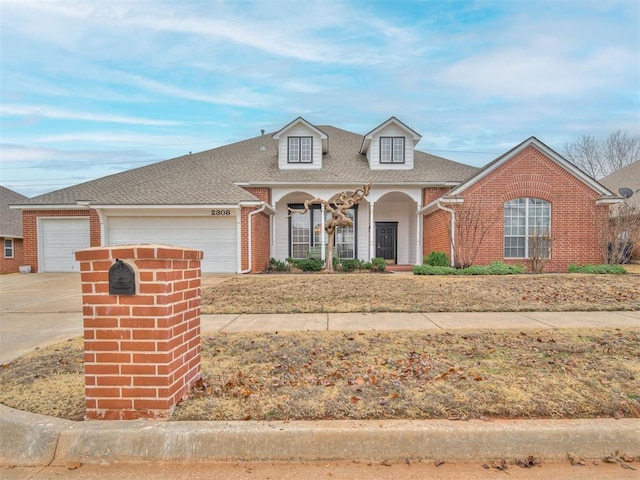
[[232, 202], [10, 231], [628, 178]]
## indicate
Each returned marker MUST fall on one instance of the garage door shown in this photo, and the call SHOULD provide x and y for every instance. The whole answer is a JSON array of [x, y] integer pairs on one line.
[[59, 240], [215, 236]]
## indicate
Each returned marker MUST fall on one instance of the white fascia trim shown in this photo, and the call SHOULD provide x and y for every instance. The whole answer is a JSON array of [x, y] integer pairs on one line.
[[263, 206], [609, 201], [561, 162], [350, 184], [168, 207], [49, 207], [433, 206]]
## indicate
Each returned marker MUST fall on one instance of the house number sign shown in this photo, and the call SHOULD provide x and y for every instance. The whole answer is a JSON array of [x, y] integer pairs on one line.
[[220, 213]]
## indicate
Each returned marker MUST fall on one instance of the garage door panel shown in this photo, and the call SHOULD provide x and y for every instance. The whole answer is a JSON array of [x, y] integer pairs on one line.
[[60, 238], [216, 237]]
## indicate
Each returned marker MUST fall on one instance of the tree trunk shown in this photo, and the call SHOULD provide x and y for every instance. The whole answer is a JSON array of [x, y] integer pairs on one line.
[[329, 253]]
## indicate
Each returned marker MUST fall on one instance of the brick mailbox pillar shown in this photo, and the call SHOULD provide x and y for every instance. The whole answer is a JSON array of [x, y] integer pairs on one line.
[[142, 348]]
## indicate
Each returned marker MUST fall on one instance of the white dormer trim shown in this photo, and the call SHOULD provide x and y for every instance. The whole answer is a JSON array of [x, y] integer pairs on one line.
[[296, 141], [366, 141], [388, 137], [323, 136]]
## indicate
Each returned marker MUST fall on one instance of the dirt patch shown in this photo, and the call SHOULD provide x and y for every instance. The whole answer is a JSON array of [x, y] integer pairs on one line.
[[374, 375], [408, 293]]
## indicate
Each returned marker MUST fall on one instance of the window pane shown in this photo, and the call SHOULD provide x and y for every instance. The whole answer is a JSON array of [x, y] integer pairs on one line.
[[305, 149], [398, 150], [527, 223], [300, 235], [294, 149], [8, 247], [385, 150]]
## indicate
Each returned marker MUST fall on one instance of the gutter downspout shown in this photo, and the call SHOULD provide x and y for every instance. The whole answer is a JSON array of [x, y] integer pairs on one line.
[[453, 229], [263, 207]]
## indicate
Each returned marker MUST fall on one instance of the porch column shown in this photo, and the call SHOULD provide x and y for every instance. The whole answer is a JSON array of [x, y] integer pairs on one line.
[[272, 226], [372, 232], [322, 233], [419, 236]]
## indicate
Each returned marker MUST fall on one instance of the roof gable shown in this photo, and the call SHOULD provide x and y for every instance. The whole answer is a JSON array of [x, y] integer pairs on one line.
[[10, 220], [323, 136], [366, 141], [548, 152]]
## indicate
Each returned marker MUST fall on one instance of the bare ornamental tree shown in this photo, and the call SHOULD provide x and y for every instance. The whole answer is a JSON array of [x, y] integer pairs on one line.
[[472, 223], [339, 218], [600, 159]]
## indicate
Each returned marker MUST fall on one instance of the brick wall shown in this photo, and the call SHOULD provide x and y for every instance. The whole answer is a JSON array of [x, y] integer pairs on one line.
[[30, 230], [574, 214], [142, 352], [260, 245], [12, 265], [435, 233]]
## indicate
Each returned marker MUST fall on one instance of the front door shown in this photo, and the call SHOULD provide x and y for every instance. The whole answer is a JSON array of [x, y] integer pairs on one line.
[[387, 240]]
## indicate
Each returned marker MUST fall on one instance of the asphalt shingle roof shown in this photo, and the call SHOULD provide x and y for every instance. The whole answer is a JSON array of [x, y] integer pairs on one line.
[[209, 177], [626, 177], [10, 220]]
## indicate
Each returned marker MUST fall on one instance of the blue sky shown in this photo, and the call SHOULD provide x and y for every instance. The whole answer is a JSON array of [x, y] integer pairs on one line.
[[94, 88]]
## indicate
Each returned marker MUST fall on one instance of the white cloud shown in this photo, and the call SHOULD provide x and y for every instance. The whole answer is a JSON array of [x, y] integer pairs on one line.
[[44, 111]]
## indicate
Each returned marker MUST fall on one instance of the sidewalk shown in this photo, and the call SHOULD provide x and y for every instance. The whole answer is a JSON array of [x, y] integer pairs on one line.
[[417, 321]]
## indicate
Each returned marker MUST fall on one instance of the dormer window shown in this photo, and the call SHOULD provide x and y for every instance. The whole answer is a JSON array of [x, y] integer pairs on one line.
[[391, 149], [300, 149]]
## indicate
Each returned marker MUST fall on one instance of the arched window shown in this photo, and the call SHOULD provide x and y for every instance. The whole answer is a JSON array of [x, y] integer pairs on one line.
[[527, 228]]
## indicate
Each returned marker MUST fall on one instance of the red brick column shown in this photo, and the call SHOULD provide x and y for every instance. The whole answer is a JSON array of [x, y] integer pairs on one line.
[[142, 351]]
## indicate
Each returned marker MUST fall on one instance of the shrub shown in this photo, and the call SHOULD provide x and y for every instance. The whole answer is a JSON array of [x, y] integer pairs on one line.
[[437, 259], [351, 265], [306, 264], [378, 264], [597, 269], [494, 268], [276, 265]]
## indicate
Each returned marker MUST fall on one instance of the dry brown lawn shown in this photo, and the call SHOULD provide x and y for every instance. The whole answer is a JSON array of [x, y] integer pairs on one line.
[[374, 375], [395, 374], [310, 293]]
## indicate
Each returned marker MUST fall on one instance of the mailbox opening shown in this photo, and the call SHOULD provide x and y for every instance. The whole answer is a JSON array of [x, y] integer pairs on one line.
[[122, 279]]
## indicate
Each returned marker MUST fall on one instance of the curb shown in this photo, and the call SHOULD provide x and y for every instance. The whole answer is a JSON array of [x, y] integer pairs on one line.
[[37, 440]]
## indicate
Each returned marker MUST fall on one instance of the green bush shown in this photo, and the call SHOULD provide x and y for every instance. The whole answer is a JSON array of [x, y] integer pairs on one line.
[[306, 264], [601, 269], [494, 268], [437, 259], [351, 265], [276, 265], [378, 264]]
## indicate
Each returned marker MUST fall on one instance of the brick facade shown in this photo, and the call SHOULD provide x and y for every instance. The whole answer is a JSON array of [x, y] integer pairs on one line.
[[12, 264], [261, 238], [574, 214], [30, 230], [142, 352]]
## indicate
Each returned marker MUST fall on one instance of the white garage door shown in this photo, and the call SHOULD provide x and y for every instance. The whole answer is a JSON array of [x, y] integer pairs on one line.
[[215, 236], [59, 240]]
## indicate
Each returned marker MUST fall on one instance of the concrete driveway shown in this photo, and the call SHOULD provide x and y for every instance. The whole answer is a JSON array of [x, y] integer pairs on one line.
[[43, 308], [38, 309]]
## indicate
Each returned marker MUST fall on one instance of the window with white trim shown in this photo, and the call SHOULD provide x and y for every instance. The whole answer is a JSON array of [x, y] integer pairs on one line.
[[8, 248], [300, 149], [391, 149], [527, 228], [306, 231]]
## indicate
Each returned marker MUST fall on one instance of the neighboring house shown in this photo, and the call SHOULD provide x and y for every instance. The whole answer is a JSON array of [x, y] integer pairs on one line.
[[232, 202], [627, 178], [10, 231]]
